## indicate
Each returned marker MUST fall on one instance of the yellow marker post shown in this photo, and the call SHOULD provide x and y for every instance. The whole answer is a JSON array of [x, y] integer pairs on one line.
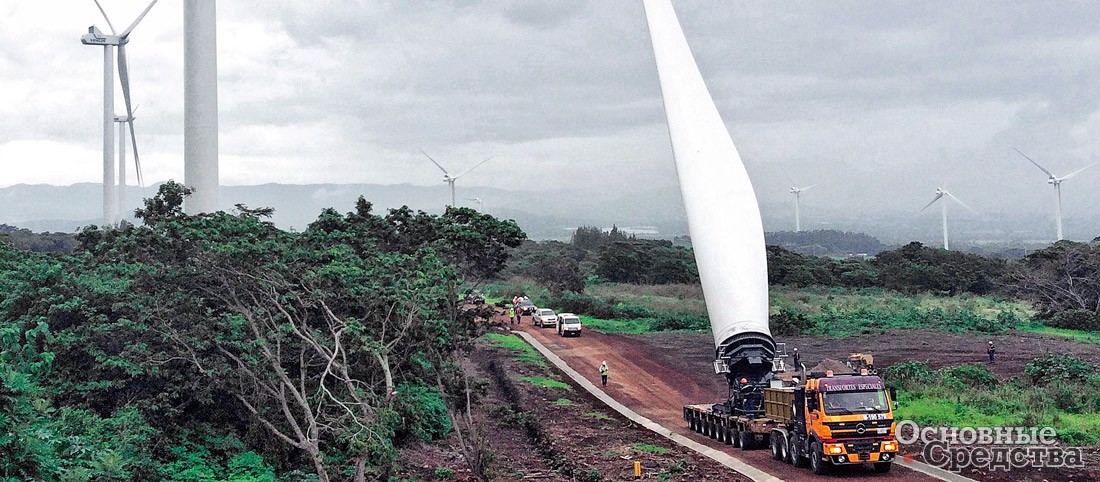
[[637, 469]]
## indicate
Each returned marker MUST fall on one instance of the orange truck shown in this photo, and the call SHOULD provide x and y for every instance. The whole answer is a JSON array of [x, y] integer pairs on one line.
[[826, 421]]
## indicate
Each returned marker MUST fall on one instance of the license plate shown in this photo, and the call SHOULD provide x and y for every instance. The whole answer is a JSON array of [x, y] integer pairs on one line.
[[864, 456]]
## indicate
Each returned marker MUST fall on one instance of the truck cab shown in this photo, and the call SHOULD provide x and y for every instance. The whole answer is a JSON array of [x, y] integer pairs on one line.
[[835, 420]]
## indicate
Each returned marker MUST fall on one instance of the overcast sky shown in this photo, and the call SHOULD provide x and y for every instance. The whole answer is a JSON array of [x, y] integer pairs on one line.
[[874, 101]]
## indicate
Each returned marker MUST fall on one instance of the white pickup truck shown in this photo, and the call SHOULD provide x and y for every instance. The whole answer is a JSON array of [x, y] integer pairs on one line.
[[569, 324], [544, 317]]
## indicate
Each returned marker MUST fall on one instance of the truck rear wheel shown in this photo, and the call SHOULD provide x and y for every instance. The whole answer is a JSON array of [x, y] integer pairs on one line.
[[883, 467], [779, 447], [735, 436], [817, 460], [794, 455]]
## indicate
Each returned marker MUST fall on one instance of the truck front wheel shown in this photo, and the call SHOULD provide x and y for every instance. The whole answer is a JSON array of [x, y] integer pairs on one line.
[[817, 460]]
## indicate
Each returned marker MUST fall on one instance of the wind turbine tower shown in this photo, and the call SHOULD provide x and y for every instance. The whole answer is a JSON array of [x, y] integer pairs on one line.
[[940, 194], [1057, 182], [200, 105], [448, 178], [109, 44], [797, 191], [122, 121]]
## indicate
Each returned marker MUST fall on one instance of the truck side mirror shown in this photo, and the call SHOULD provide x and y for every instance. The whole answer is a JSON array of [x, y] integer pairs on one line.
[[894, 397]]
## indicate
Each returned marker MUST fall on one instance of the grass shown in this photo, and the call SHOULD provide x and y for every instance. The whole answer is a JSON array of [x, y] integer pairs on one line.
[[524, 352], [599, 416], [971, 396], [649, 449], [545, 382], [1075, 335], [634, 326], [562, 402]]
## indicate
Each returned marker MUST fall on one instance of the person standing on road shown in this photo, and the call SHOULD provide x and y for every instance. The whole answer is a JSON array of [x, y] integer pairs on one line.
[[512, 314], [992, 352], [603, 372], [797, 360]]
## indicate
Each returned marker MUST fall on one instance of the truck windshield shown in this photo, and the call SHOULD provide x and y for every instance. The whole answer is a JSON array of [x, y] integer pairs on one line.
[[845, 403]]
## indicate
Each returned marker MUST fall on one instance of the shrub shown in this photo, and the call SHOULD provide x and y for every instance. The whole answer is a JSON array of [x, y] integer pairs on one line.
[[911, 374], [444, 473], [1058, 368], [423, 411], [789, 322], [581, 303], [1075, 320], [967, 376]]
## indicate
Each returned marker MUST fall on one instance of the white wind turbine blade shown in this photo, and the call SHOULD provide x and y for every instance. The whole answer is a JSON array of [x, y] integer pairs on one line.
[[1074, 173], [933, 201], [112, 27], [807, 188], [475, 167], [952, 196], [445, 173], [137, 20], [1036, 163], [124, 79], [722, 211]]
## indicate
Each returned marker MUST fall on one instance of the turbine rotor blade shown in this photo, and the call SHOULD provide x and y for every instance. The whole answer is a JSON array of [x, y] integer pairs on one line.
[[112, 27], [126, 33], [445, 173], [1074, 173], [1036, 163], [475, 167], [807, 188], [952, 196], [124, 79], [937, 198]]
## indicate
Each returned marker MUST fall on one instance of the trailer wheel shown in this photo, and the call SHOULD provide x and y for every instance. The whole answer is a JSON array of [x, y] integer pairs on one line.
[[883, 467], [817, 460], [729, 435], [735, 436], [747, 440]]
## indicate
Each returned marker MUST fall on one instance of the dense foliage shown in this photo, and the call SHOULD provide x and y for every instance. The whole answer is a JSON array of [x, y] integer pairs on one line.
[[218, 347]]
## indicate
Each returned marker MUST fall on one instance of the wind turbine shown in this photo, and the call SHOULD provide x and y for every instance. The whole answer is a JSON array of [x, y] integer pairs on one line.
[[122, 122], [109, 42], [480, 203], [1057, 182], [797, 191], [448, 178], [940, 194]]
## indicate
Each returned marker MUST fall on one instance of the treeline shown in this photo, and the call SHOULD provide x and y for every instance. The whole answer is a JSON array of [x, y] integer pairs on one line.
[[37, 242], [219, 347], [1063, 280]]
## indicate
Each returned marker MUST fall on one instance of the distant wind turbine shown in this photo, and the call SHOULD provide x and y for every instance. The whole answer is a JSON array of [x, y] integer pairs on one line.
[[942, 193], [1057, 182], [477, 201], [109, 42], [797, 191], [123, 122], [448, 178]]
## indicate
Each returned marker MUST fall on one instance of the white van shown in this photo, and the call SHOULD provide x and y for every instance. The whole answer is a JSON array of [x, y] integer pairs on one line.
[[569, 324]]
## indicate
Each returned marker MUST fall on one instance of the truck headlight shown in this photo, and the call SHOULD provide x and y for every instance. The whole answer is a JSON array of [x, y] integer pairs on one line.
[[890, 446], [834, 449]]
